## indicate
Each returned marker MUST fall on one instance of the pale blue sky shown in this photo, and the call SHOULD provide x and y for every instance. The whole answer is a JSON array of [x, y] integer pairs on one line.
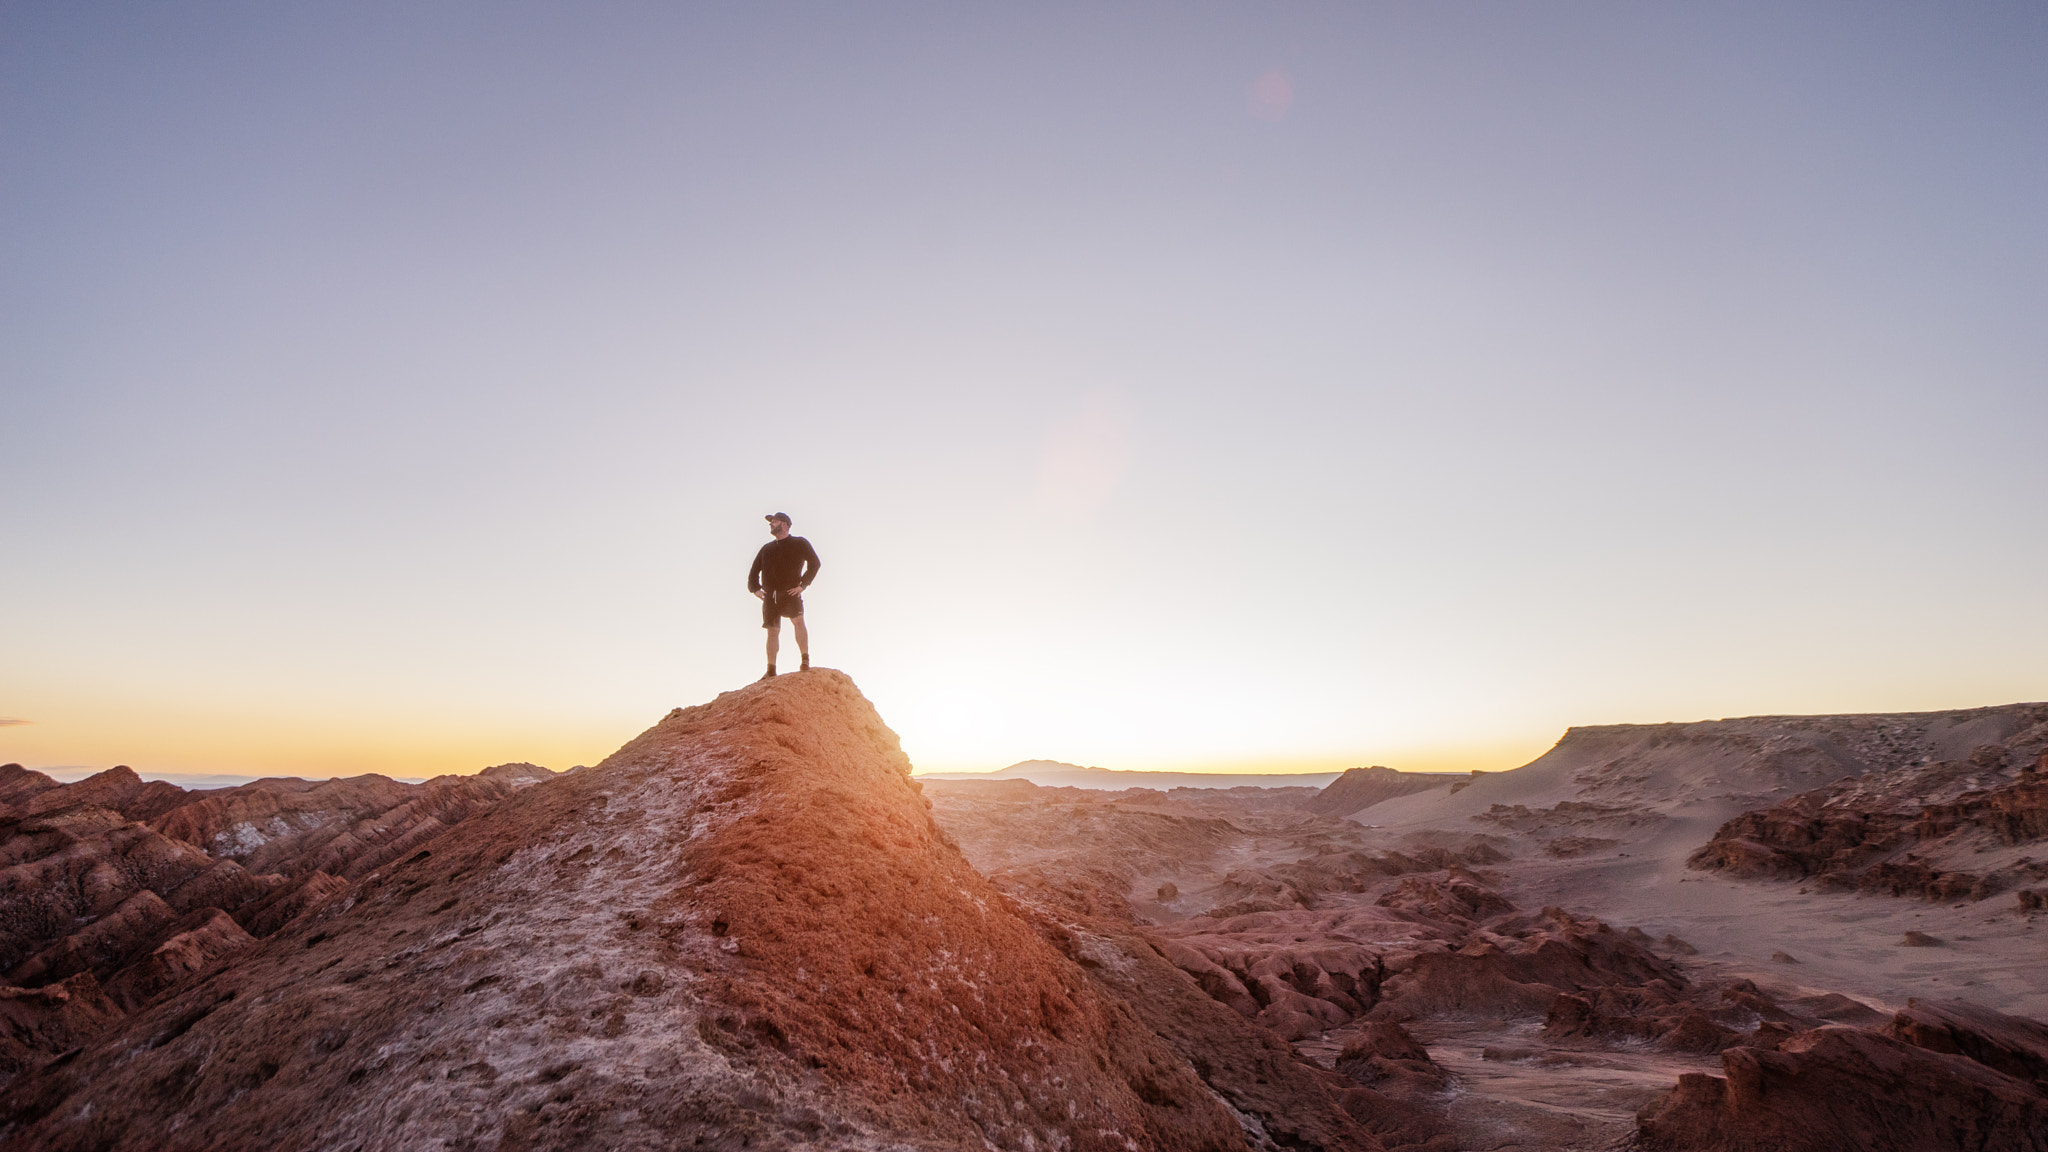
[[400, 387]]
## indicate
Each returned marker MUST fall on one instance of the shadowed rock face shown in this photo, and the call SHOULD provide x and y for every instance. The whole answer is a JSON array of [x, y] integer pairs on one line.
[[1302, 974], [1840, 1087], [1280, 1099], [743, 929], [35, 1022], [2013, 1045]]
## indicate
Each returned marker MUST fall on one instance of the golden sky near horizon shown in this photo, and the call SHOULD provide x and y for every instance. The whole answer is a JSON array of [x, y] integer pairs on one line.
[[1262, 388]]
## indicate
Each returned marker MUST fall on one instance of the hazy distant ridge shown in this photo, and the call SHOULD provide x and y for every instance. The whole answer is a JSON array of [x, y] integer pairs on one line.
[[1054, 774]]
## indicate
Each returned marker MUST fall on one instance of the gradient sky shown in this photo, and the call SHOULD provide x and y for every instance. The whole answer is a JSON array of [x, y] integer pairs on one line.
[[400, 387]]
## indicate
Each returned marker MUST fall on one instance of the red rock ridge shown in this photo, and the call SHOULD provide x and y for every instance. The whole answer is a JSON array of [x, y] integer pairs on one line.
[[743, 929], [1840, 1087], [112, 876], [1887, 835]]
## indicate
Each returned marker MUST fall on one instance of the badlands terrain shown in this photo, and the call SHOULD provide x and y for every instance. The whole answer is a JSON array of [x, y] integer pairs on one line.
[[752, 928]]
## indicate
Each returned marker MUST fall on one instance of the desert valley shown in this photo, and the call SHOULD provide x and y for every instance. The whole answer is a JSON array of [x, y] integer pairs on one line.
[[1060, 577], [752, 928]]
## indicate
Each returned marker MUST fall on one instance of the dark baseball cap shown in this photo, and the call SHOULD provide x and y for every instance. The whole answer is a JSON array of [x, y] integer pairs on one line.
[[782, 516]]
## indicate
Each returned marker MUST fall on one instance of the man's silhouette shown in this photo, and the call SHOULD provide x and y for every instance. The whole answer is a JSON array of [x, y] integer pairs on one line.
[[783, 568]]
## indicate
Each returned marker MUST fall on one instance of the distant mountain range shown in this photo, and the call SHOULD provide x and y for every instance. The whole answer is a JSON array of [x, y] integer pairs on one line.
[[1054, 774]]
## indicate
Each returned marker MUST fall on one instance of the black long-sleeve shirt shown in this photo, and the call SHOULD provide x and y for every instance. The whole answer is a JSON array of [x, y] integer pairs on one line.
[[783, 564]]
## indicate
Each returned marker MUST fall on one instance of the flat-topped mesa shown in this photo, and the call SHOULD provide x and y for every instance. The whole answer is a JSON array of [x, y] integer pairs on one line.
[[743, 926], [1750, 760]]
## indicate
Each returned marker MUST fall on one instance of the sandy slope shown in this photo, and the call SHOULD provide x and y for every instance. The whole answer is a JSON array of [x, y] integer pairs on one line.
[[1321, 929], [1665, 789]]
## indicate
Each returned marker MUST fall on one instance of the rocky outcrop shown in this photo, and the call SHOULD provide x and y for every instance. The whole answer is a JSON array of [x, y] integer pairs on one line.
[[1709, 1017], [84, 904], [1419, 952], [1361, 788], [1521, 963], [1939, 1076], [345, 827], [847, 934], [1327, 876], [118, 789], [1946, 831], [1384, 1055], [1842, 1087], [1144, 856], [1568, 822], [1666, 1021], [1296, 974], [1458, 897], [1402, 1086], [18, 784], [1089, 851], [743, 928], [1280, 1099], [36, 1022], [1759, 755], [193, 945], [2013, 1045]]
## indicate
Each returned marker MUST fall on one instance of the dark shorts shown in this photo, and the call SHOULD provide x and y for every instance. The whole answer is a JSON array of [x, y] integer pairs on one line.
[[776, 605]]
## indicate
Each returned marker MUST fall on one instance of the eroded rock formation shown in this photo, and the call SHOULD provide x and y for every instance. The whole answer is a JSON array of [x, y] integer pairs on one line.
[[143, 886], [743, 929], [1961, 829], [1908, 1089], [751, 928], [1323, 934]]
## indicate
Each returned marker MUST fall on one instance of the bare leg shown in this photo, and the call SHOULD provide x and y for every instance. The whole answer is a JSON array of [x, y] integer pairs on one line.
[[803, 638], [774, 641]]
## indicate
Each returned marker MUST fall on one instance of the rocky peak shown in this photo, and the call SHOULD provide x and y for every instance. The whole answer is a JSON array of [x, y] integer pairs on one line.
[[743, 926]]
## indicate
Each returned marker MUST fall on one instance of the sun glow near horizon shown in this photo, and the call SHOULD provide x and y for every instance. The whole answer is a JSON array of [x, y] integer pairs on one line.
[[402, 391]]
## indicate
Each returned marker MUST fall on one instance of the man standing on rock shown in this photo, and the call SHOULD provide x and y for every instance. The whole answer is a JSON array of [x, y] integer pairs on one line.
[[783, 568]]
